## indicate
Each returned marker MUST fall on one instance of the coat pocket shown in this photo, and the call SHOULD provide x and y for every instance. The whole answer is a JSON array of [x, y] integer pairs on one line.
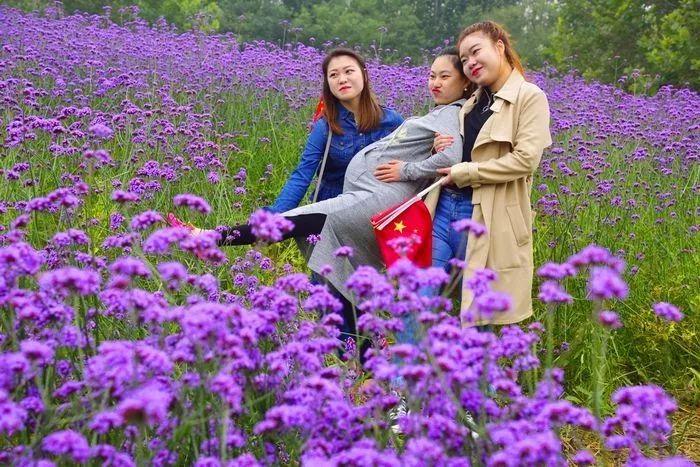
[[517, 223]]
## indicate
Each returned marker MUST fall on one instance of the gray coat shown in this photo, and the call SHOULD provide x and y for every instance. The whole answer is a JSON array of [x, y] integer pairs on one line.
[[348, 215]]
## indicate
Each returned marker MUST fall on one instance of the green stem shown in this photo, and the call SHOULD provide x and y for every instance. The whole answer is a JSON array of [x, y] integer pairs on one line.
[[600, 341], [224, 432], [550, 337]]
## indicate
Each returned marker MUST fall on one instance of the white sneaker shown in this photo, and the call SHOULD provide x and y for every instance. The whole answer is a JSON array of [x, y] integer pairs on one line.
[[474, 434], [397, 412]]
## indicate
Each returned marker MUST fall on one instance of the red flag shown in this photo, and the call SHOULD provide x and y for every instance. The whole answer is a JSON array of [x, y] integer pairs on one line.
[[406, 231], [320, 107]]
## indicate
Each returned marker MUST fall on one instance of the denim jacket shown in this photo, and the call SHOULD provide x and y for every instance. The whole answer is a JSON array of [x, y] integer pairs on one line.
[[343, 148]]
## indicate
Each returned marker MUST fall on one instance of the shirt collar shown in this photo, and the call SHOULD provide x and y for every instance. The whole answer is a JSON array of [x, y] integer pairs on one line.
[[345, 114]]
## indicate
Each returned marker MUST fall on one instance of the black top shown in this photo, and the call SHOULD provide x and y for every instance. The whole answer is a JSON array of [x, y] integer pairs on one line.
[[474, 120]]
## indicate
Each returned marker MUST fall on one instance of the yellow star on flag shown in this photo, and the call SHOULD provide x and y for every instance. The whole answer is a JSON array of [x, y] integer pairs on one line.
[[399, 226]]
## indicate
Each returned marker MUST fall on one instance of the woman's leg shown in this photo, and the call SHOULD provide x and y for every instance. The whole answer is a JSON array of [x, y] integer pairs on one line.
[[304, 225], [442, 250], [441, 255], [348, 329]]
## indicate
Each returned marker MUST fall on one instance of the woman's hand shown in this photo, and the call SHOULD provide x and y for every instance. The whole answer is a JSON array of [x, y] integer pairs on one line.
[[442, 141], [389, 172], [447, 180]]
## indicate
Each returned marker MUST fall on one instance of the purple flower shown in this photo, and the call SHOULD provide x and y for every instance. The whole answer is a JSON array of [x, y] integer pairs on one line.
[[366, 283], [583, 458], [641, 418], [36, 351], [676, 461], [229, 390], [20, 258], [207, 461], [32, 404], [667, 311], [160, 241], [468, 225], [537, 449], [145, 220], [100, 130], [596, 255], [121, 196], [148, 405], [12, 416], [604, 284], [68, 388], [192, 202], [491, 302], [556, 271], [609, 319], [70, 279], [130, 266], [103, 422], [552, 292], [268, 226], [20, 222], [173, 272], [480, 281], [343, 252], [67, 443]]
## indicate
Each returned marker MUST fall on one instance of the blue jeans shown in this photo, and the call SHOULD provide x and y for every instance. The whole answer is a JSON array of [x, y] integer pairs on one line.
[[447, 242], [452, 206]]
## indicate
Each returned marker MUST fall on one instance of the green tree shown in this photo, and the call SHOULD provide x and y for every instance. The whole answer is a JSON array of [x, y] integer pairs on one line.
[[252, 19], [599, 37], [605, 39], [359, 22], [205, 15], [444, 19], [672, 47]]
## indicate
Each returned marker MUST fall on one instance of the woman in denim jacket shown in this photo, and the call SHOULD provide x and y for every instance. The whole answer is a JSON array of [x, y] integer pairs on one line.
[[357, 120]]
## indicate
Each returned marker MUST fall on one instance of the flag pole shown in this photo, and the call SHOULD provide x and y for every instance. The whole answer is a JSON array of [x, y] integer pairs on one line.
[[437, 183], [409, 202]]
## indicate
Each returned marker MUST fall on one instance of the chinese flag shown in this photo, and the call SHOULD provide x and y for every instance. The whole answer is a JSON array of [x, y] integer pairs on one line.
[[320, 107], [406, 231]]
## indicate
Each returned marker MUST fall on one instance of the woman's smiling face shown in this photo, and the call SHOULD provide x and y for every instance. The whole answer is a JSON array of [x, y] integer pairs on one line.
[[446, 83], [481, 58]]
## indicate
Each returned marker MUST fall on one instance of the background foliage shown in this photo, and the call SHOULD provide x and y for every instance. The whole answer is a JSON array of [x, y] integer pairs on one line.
[[640, 45]]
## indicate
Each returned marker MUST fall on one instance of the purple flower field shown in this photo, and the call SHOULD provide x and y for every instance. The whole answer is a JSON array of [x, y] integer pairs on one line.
[[123, 342]]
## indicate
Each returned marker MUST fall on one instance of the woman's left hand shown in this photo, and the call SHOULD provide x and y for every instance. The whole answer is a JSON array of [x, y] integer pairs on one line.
[[389, 172], [447, 180]]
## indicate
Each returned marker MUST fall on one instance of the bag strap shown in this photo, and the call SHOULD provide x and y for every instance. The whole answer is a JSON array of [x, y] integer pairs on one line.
[[323, 164]]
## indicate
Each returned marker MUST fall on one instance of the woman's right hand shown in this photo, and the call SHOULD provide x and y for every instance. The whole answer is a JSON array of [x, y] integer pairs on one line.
[[173, 221], [442, 141]]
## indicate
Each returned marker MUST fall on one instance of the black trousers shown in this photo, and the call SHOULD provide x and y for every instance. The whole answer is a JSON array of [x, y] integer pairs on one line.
[[304, 225]]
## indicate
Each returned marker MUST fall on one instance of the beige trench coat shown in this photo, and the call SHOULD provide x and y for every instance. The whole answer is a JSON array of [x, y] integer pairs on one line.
[[506, 153]]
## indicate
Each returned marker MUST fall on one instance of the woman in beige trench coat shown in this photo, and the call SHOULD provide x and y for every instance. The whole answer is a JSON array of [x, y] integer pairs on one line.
[[499, 167]]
